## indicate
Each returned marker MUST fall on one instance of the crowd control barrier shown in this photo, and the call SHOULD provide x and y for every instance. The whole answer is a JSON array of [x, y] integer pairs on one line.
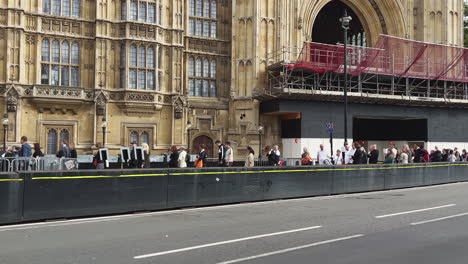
[[33, 195]]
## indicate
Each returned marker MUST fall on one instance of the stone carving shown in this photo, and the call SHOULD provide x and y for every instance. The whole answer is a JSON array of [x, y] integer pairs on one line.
[[58, 91], [179, 103]]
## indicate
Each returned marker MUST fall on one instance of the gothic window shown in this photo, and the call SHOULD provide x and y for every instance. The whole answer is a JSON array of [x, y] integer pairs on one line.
[[140, 135], [68, 8], [142, 68], [55, 135], [203, 18], [123, 10], [202, 77], [46, 6], [142, 10], [52, 142], [63, 68]]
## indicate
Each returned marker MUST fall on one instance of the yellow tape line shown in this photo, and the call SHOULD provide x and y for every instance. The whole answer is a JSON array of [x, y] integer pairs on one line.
[[10, 180], [96, 177]]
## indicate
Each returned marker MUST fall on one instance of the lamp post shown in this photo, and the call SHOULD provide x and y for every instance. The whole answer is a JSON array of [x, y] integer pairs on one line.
[[104, 126], [5, 122], [345, 25], [260, 129], [189, 125]]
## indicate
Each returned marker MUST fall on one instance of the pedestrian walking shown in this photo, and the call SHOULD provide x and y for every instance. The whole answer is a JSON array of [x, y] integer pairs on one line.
[[250, 160]]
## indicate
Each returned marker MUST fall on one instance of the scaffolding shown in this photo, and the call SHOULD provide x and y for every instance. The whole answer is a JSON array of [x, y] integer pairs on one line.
[[395, 71]]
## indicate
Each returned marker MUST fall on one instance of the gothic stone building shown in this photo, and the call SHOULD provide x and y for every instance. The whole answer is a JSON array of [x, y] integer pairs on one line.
[[173, 72]]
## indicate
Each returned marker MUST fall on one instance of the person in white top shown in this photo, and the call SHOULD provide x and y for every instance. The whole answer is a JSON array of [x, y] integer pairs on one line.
[[338, 158], [250, 160], [182, 157], [349, 153], [322, 155], [229, 154], [276, 150]]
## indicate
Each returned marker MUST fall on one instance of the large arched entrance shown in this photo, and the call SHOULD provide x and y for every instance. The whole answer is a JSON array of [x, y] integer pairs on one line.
[[327, 27], [205, 140]]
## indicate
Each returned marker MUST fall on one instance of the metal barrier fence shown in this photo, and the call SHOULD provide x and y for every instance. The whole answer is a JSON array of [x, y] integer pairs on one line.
[[38, 164]]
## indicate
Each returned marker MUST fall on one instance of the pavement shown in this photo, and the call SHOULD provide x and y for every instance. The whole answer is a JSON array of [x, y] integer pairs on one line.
[[421, 225]]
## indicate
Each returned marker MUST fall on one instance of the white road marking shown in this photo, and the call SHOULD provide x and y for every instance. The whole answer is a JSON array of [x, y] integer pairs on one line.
[[439, 219], [138, 215], [290, 249], [224, 242], [416, 211]]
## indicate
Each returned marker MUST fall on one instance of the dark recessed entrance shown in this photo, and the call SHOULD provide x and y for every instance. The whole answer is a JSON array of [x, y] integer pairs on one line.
[[366, 129], [327, 28]]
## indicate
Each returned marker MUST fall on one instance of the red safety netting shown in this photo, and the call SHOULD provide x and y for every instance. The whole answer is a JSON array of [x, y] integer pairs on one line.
[[390, 56]]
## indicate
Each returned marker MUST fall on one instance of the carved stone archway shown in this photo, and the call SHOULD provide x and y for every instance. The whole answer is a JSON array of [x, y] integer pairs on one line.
[[378, 17]]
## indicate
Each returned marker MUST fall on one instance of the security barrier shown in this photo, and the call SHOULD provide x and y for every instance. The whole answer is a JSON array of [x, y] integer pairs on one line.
[[78, 193]]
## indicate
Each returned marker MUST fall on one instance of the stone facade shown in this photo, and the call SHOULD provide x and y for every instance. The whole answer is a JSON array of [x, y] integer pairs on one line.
[[51, 94]]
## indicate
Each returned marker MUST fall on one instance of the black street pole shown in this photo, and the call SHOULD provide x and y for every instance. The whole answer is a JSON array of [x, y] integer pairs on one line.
[[104, 125], [5, 129], [345, 24]]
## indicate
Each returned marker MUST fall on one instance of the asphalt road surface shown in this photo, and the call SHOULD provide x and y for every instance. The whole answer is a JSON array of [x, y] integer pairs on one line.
[[422, 225]]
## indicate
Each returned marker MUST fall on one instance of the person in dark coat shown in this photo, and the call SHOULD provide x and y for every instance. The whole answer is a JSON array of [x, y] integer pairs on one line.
[[221, 153], [37, 151], [357, 158], [373, 155], [437, 155], [174, 158], [73, 153], [419, 154], [64, 151]]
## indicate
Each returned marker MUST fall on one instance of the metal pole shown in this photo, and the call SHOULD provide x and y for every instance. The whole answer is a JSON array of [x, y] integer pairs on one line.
[[260, 146], [188, 141], [104, 137], [345, 67], [5, 131]]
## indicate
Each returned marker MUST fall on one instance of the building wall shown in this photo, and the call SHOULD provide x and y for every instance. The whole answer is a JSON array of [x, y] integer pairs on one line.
[[247, 33]]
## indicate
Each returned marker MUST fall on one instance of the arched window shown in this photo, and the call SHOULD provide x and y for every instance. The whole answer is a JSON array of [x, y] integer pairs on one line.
[[65, 7], [132, 79], [134, 137], [64, 75], [198, 8], [213, 88], [213, 30], [144, 138], [141, 56], [56, 7], [198, 87], [213, 69], [46, 6], [44, 74], [133, 56], [64, 135], [213, 9], [45, 50], [52, 142], [75, 53], [206, 68], [191, 87], [206, 88], [150, 80], [191, 67], [65, 52], [198, 67], [141, 79], [55, 51], [76, 8], [206, 8], [150, 58]]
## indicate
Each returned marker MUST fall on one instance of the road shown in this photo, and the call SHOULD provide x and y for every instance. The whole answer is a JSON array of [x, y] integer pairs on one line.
[[422, 225]]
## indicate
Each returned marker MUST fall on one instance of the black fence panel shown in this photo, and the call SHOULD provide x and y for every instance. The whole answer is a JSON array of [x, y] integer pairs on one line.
[[437, 174], [405, 176], [195, 187], [11, 198], [458, 172], [82, 193], [292, 182], [355, 179]]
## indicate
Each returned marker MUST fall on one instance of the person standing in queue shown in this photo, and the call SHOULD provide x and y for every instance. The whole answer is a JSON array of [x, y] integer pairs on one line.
[[305, 158], [373, 155], [174, 158], [200, 161], [182, 156], [146, 158], [250, 160], [221, 153], [229, 154], [357, 157], [338, 159]]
